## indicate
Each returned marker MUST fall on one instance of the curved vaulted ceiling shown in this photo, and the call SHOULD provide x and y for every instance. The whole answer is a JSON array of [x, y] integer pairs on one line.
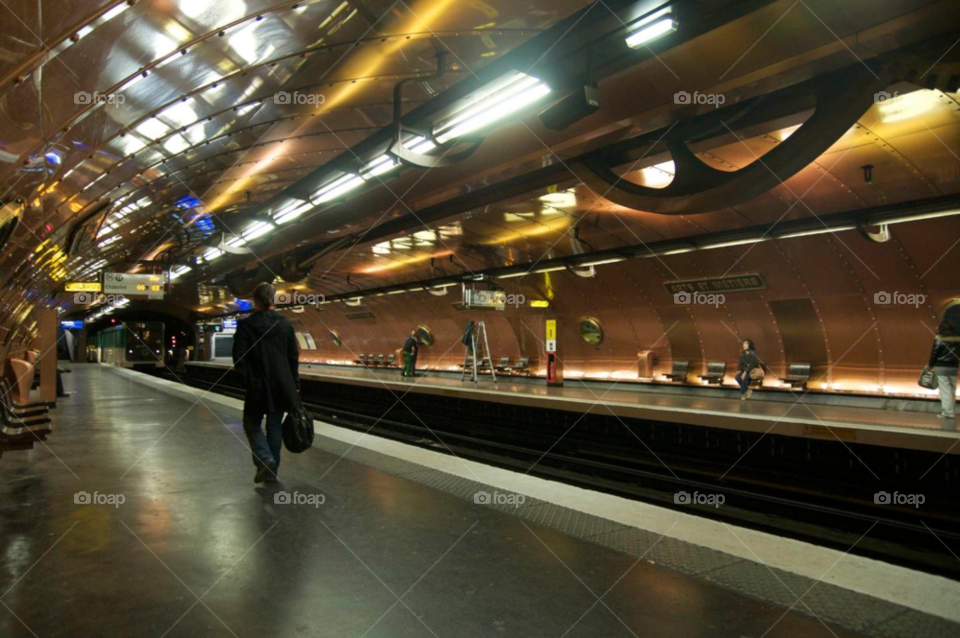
[[140, 133]]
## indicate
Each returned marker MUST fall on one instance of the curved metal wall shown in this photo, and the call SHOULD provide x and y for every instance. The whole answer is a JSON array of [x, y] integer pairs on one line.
[[819, 307]]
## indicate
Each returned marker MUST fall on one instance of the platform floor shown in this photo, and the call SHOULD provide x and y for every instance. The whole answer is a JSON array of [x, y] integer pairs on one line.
[[796, 417], [196, 549]]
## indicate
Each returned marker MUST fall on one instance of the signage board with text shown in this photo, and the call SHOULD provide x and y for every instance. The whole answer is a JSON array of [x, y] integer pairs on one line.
[[149, 286]]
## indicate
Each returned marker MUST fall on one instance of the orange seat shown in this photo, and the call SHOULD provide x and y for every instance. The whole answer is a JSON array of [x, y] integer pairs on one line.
[[22, 380]]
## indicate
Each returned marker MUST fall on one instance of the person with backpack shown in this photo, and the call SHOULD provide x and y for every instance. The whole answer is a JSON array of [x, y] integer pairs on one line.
[[748, 362], [267, 358], [944, 362]]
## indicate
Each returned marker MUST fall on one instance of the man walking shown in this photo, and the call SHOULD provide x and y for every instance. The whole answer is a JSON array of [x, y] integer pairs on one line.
[[410, 347], [266, 356]]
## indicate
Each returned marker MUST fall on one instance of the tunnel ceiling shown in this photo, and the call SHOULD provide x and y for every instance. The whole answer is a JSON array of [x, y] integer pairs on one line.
[[141, 133]]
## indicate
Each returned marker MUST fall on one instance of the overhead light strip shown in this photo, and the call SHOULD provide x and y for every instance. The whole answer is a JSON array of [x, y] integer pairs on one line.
[[650, 28], [491, 105]]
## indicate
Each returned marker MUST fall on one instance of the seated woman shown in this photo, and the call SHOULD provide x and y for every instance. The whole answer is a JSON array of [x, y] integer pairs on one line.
[[749, 361]]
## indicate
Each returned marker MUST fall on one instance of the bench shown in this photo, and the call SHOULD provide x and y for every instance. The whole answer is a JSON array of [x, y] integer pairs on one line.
[[522, 366], [391, 361], [20, 375], [361, 360], [21, 424], [504, 364], [797, 375], [679, 372], [379, 361], [715, 372]]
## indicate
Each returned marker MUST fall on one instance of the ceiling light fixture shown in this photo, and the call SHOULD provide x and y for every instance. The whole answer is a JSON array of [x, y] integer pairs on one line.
[[817, 231], [256, 229], [917, 218], [651, 28], [736, 242], [177, 272], [492, 103]]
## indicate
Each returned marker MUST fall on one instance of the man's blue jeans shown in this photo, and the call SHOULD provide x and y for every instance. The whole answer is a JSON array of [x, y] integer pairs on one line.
[[263, 447]]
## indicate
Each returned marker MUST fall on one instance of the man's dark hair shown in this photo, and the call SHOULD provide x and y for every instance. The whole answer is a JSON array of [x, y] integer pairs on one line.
[[947, 329], [264, 294]]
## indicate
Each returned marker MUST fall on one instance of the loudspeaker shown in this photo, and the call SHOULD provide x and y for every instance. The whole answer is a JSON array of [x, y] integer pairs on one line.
[[572, 108]]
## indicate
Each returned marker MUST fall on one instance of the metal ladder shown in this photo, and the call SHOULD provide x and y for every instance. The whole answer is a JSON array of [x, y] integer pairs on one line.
[[479, 332]]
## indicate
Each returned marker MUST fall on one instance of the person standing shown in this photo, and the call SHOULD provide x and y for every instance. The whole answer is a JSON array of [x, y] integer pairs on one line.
[[266, 355], [944, 362], [747, 363], [410, 348]]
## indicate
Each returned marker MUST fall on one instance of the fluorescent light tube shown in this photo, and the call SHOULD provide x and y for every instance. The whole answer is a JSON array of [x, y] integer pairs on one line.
[[738, 242], [818, 231], [916, 218], [257, 229], [519, 91], [291, 212], [337, 188], [180, 271], [651, 32], [601, 262]]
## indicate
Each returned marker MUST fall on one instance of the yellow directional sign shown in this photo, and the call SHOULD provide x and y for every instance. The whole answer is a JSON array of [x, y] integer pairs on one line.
[[551, 329], [82, 286]]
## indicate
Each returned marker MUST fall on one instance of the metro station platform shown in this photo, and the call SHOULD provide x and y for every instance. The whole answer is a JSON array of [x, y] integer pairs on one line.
[[885, 422], [398, 547]]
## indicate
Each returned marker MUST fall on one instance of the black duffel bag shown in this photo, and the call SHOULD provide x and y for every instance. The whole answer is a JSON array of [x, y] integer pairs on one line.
[[298, 430]]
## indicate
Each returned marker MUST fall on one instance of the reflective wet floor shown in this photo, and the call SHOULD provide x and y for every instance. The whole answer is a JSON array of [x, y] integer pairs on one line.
[[177, 540]]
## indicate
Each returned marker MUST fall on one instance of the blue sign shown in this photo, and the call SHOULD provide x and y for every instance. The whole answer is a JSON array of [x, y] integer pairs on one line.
[[76, 324], [229, 324]]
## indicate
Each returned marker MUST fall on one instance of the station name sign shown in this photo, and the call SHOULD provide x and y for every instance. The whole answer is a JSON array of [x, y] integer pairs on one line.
[[732, 283], [150, 286]]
